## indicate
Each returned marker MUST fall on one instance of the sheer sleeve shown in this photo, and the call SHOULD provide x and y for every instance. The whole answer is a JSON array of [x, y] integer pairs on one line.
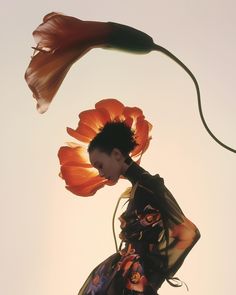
[[179, 233]]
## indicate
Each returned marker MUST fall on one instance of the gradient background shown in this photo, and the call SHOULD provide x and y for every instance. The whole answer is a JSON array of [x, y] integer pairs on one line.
[[51, 239]]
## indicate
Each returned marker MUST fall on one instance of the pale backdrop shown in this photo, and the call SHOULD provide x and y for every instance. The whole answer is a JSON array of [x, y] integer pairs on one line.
[[51, 239]]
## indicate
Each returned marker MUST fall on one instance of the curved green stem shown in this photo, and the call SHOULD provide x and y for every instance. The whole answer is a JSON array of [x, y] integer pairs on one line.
[[172, 56], [123, 196]]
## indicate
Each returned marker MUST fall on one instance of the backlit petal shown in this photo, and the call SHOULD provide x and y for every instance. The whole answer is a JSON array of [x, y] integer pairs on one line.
[[142, 137], [131, 116], [95, 119], [75, 175], [82, 179], [46, 72], [114, 106], [133, 112], [87, 189], [91, 121], [77, 156], [83, 133], [61, 40]]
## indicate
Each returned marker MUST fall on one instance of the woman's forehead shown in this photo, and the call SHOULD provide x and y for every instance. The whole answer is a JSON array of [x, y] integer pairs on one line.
[[96, 156]]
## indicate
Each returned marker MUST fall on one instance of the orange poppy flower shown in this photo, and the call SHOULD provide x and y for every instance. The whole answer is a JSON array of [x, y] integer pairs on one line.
[[80, 177], [62, 40]]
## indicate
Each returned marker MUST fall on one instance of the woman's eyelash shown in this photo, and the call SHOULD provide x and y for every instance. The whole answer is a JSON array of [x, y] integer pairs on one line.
[[98, 167]]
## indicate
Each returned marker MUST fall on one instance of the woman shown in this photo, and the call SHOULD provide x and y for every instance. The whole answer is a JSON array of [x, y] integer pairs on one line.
[[156, 236]]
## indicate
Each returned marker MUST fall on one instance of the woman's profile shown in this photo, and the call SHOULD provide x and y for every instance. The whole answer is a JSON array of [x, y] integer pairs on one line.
[[155, 234]]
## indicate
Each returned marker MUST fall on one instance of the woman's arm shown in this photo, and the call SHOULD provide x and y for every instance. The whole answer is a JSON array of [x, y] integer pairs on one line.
[[180, 234]]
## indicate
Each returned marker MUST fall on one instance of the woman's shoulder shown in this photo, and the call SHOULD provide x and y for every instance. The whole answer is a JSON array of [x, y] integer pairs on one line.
[[149, 188], [151, 182], [137, 174]]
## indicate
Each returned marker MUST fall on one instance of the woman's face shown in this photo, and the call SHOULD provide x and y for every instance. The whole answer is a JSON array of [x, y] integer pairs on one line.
[[108, 166]]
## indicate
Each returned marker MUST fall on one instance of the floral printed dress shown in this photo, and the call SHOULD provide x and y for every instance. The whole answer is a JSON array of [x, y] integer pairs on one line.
[[156, 237]]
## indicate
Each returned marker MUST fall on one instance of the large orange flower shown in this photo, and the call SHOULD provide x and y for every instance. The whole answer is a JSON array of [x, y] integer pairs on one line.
[[80, 177], [62, 40]]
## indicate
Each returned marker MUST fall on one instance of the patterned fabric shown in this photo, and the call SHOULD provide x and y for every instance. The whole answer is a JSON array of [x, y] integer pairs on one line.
[[155, 239]]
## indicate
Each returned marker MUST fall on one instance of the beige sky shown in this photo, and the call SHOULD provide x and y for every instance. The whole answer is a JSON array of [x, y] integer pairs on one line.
[[51, 239]]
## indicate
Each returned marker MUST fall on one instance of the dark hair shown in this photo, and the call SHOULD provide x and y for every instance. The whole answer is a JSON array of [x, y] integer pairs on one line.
[[114, 135]]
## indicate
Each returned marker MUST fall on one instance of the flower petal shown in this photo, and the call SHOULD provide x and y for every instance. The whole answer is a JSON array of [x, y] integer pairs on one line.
[[114, 106], [75, 175], [91, 121], [80, 177], [133, 112], [83, 133], [55, 30], [131, 116], [142, 137], [95, 119], [76, 156], [61, 40], [82, 181], [86, 189], [46, 72], [62, 31]]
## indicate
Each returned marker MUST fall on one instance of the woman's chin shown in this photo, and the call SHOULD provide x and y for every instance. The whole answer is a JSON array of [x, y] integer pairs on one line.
[[112, 181]]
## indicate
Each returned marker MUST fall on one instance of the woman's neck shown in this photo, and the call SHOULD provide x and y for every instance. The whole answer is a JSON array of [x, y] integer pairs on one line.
[[127, 162], [133, 171]]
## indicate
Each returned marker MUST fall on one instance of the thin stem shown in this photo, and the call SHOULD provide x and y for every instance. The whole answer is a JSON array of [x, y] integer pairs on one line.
[[123, 196], [172, 56]]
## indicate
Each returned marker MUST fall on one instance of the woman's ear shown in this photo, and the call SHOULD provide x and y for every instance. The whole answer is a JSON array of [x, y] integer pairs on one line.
[[116, 153]]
